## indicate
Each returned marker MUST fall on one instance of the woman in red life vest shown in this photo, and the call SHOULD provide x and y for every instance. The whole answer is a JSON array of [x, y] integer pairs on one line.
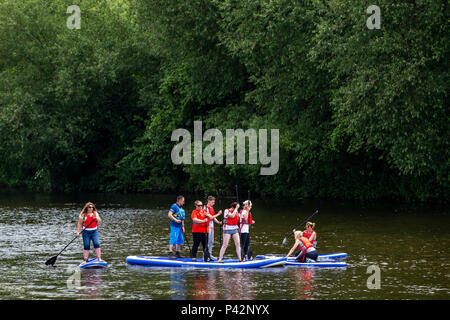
[[305, 247], [89, 220], [310, 234], [231, 229], [199, 231], [246, 220]]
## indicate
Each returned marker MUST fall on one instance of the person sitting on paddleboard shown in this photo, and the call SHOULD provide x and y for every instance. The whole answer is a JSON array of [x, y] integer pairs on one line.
[[211, 219], [199, 231], [231, 229], [89, 220], [305, 247], [245, 218], [310, 233], [176, 216]]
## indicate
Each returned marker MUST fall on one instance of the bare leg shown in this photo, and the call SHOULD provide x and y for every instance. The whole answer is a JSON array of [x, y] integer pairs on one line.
[[237, 244], [85, 254], [226, 239], [98, 253]]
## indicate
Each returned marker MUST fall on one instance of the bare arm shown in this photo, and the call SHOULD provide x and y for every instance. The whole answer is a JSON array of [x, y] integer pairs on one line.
[[80, 222], [231, 215], [171, 217], [97, 216], [196, 220], [293, 248], [218, 214]]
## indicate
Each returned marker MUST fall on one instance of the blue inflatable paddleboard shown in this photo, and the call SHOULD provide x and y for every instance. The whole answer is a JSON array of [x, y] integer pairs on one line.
[[93, 263], [187, 262], [322, 257]]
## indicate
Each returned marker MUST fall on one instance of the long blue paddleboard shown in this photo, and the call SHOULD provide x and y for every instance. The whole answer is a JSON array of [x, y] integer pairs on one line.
[[322, 257], [187, 262], [318, 264], [93, 263]]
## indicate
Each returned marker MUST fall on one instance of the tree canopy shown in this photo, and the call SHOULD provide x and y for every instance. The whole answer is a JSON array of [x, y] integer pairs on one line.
[[362, 113]]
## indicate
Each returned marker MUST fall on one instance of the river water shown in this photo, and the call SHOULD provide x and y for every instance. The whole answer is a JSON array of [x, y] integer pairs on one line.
[[409, 243]]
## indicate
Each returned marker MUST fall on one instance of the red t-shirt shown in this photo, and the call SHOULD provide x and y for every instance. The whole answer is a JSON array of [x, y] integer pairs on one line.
[[199, 227]]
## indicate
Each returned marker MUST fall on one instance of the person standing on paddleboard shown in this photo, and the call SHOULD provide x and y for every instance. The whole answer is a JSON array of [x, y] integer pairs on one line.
[[89, 220], [199, 231], [176, 216], [231, 229], [310, 233], [303, 246], [211, 219], [246, 220]]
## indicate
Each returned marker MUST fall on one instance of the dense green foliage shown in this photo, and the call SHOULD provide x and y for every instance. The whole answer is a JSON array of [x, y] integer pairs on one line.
[[362, 113]]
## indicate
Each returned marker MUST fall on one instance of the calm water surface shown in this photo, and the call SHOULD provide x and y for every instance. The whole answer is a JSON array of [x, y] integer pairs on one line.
[[409, 243]]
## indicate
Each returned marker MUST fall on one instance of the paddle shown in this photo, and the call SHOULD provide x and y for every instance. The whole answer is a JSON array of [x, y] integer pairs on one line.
[[187, 242], [250, 251], [205, 206], [291, 233], [52, 260], [237, 200], [220, 208]]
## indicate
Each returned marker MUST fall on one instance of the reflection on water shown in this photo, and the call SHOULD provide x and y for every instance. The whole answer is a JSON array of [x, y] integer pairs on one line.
[[91, 284], [304, 282], [177, 285], [408, 243]]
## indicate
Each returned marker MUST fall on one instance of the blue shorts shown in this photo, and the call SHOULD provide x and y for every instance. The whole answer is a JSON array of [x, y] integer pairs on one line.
[[88, 236], [230, 232], [176, 235]]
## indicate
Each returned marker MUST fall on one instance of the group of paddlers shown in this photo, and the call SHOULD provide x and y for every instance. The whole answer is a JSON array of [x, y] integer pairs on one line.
[[236, 225]]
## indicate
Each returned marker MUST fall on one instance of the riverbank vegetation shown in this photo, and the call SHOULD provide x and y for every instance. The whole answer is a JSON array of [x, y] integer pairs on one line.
[[362, 113]]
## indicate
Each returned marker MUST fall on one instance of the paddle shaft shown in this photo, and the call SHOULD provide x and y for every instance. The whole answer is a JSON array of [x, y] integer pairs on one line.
[[237, 200], [75, 237], [220, 208], [291, 233], [187, 242]]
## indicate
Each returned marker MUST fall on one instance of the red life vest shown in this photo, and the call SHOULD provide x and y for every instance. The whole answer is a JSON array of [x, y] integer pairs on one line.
[[249, 220], [232, 221], [308, 234], [304, 244], [90, 222]]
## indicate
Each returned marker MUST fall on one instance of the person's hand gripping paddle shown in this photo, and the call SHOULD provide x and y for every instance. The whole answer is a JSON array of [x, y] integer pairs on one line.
[[291, 233]]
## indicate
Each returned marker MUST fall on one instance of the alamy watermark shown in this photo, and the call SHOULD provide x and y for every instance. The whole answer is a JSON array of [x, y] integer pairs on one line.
[[213, 152], [374, 281], [74, 21], [374, 21], [74, 281]]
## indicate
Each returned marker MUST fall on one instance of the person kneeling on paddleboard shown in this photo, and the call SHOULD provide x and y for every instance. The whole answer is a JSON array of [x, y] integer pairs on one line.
[[199, 231], [310, 234], [305, 247], [231, 229], [176, 216], [89, 219]]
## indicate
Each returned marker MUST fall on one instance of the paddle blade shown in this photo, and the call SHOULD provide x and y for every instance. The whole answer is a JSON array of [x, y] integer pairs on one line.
[[284, 241], [51, 261]]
